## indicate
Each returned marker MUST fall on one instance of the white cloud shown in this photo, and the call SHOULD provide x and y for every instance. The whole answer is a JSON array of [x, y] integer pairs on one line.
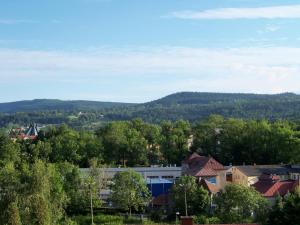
[[261, 70], [273, 12]]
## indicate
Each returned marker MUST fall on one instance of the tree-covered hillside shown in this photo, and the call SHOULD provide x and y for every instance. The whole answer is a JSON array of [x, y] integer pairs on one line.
[[190, 106], [55, 104]]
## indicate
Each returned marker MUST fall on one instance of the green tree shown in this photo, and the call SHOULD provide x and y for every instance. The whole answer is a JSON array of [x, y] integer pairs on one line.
[[174, 141], [9, 151], [72, 185], [39, 150], [187, 193], [286, 210], [123, 144], [129, 191], [206, 134], [13, 214], [237, 203], [90, 146], [31, 194], [10, 188], [94, 182], [65, 145]]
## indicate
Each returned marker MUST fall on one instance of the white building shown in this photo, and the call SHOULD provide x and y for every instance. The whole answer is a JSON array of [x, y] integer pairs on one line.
[[170, 173], [155, 172]]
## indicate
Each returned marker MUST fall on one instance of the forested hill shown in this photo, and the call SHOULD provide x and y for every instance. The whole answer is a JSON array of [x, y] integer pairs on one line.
[[55, 104], [186, 98], [191, 106], [194, 106]]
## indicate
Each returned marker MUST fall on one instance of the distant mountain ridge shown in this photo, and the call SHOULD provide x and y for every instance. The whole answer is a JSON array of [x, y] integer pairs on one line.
[[56, 104], [210, 97], [190, 106]]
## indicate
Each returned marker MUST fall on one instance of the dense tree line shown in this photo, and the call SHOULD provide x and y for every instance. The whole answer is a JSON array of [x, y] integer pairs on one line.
[[248, 141], [137, 143]]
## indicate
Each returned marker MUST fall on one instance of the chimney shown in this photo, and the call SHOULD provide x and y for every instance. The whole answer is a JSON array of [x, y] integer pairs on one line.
[[186, 220]]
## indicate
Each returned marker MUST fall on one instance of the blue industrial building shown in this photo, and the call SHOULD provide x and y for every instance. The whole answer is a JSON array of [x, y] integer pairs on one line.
[[159, 186]]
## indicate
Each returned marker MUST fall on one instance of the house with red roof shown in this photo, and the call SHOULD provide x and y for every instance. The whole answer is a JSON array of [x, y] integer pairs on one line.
[[249, 174], [271, 186], [205, 168], [31, 133]]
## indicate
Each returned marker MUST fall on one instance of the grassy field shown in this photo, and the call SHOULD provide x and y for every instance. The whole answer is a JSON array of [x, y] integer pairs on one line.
[[111, 220]]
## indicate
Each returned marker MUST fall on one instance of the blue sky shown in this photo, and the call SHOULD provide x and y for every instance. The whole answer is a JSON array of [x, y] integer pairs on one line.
[[140, 50]]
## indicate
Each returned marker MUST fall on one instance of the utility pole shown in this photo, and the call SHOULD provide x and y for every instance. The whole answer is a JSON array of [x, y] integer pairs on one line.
[[91, 198], [185, 202]]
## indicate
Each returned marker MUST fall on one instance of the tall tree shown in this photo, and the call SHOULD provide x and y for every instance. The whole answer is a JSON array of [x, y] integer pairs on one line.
[[174, 141], [188, 196], [237, 203], [94, 182], [9, 151], [286, 211], [123, 144], [129, 191]]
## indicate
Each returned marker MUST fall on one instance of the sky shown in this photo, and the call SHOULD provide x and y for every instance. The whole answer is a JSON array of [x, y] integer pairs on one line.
[[141, 50]]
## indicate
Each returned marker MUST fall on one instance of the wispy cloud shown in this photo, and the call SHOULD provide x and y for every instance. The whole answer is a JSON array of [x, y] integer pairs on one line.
[[269, 28], [14, 21], [272, 69], [272, 28], [273, 12]]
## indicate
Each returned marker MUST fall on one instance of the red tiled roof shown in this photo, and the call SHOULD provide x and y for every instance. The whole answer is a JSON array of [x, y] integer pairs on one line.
[[214, 164], [273, 186], [24, 137], [202, 166], [206, 172]]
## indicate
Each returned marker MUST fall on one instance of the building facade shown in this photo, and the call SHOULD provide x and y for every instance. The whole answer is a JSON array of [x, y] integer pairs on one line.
[[205, 168]]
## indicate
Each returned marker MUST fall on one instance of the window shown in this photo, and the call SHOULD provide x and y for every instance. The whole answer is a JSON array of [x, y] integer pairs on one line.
[[229, 177], [212, 180], [152, 177], [167, 177]]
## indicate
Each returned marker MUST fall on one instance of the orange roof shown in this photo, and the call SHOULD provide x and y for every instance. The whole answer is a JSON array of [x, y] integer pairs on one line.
[[206, 172], [203, 166], [273, 186]]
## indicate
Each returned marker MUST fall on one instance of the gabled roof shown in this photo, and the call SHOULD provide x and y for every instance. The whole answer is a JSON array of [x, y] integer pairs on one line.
[[206, 172], [193, 156], [202, 166], [32, 130], [257, 170], [273, 186]]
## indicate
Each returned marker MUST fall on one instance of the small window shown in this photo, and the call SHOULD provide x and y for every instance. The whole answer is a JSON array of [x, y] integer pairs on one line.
[[152, 177], [167, 177], [229, 177], [212, 180]]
